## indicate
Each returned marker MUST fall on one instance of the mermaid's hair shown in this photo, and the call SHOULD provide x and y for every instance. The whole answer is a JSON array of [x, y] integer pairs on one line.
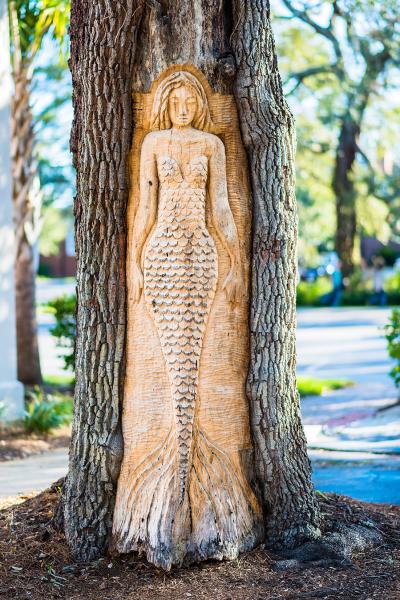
[[159, 114]]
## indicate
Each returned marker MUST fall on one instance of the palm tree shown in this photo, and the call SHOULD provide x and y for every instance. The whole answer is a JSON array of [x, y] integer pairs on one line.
[[30, 22]]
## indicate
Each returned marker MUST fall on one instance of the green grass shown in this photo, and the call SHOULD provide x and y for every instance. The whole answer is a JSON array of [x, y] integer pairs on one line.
[[308, 386], [64, 380], [49, 278]]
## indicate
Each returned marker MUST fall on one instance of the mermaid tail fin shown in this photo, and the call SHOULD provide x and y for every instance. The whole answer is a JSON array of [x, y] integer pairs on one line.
[[217, 517], [225, 512]]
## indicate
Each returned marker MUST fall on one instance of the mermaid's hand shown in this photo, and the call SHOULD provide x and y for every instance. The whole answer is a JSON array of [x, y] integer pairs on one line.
[[135, 285], [233, 285]]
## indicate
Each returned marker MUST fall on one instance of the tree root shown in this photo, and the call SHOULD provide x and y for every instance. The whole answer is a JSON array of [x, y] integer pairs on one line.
[[335, 548]]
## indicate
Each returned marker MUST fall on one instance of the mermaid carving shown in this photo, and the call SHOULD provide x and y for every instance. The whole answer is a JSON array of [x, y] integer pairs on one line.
[[180, 496]]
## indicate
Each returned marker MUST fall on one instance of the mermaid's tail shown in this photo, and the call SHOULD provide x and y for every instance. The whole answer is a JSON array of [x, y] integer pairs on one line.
[[218, 516], [180, 279]]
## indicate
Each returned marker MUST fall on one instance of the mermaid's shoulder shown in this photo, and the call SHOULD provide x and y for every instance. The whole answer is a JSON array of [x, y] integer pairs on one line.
[[152, 138], [214, 143]]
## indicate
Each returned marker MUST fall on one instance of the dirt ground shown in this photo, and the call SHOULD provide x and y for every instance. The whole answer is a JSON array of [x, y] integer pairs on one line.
[[35, 564], [16, 443]]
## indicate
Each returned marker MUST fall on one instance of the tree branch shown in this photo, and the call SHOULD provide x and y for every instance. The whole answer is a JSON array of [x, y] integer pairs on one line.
[[326, 32], [299, 76]]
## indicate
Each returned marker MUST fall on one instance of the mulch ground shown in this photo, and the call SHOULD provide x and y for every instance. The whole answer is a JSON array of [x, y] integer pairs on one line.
[[35, 564], [16, 443]]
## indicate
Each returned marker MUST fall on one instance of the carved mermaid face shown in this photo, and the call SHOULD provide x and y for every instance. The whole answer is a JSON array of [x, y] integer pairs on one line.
[[182, 106]]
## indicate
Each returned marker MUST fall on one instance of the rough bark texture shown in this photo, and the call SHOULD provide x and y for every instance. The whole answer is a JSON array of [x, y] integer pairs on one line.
[[105, 70], [22, 174], [346, 195], [103, 41], [346, 153], [283, 469]]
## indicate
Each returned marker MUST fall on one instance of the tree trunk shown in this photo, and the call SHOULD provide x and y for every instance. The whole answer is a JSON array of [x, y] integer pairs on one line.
[[22, 172], [282, 465], [103, 44], [346, 152], [346, 196], [117, 49]]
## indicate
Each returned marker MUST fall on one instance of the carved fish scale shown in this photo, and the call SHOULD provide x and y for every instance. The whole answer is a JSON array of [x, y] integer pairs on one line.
[[180, 277]]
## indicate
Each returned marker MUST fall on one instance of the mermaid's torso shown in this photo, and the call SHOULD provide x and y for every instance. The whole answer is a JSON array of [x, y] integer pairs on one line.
[[180, 277]]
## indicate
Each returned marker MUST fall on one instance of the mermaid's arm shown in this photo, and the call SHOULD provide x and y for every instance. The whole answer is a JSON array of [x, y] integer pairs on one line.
[[146, 212], [222, 218]]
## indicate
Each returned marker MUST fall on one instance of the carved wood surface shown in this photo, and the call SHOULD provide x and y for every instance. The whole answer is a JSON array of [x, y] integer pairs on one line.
[[184, 491]]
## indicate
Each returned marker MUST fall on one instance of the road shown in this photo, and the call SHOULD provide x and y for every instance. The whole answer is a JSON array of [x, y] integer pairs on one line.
[[31, 474], [354, 444]]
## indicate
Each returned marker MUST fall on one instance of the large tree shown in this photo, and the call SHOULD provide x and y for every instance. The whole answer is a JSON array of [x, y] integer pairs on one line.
[[30, 22], [117, 49], [361, 38]]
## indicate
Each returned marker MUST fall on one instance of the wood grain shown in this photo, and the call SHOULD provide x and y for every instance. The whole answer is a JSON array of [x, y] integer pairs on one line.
[[184, 491]]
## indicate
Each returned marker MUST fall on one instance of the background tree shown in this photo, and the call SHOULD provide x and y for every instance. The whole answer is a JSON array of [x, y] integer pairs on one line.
[[358, 56], [30, 22], [117, 49]]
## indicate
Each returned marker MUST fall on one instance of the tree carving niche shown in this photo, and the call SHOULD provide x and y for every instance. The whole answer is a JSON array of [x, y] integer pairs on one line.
[[185, 485]]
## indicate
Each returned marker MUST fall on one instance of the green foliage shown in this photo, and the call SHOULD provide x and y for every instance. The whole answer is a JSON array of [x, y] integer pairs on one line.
[[389, 255], [310, 293], [32, 20], [39, 49], [64, 309], [65, 381], [44, 413], [358, 291], [327, 53], [308, 386], [392, 288], [392, 334]]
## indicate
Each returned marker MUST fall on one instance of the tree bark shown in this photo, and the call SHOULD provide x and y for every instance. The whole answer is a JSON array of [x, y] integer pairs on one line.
[[346, 153], [282, 465], [22, 173], [103, 44], [345, 193], [116, 49]]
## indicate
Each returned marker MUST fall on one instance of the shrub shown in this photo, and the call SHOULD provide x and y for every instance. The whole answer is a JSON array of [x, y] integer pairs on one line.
[[389, 255], [310, 293], [42, 413], [392, 334], [358, 291], [392, 288], [64, 330]]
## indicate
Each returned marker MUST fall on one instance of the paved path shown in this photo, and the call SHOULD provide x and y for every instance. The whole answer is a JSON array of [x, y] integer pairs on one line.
[[349, 343], [32, 474]]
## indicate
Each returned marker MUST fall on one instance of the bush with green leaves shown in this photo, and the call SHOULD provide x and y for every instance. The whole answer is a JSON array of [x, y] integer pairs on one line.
[[310, 293], [392, 334], [358, 291], [64, 309], [44, 413], [392, 288]]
